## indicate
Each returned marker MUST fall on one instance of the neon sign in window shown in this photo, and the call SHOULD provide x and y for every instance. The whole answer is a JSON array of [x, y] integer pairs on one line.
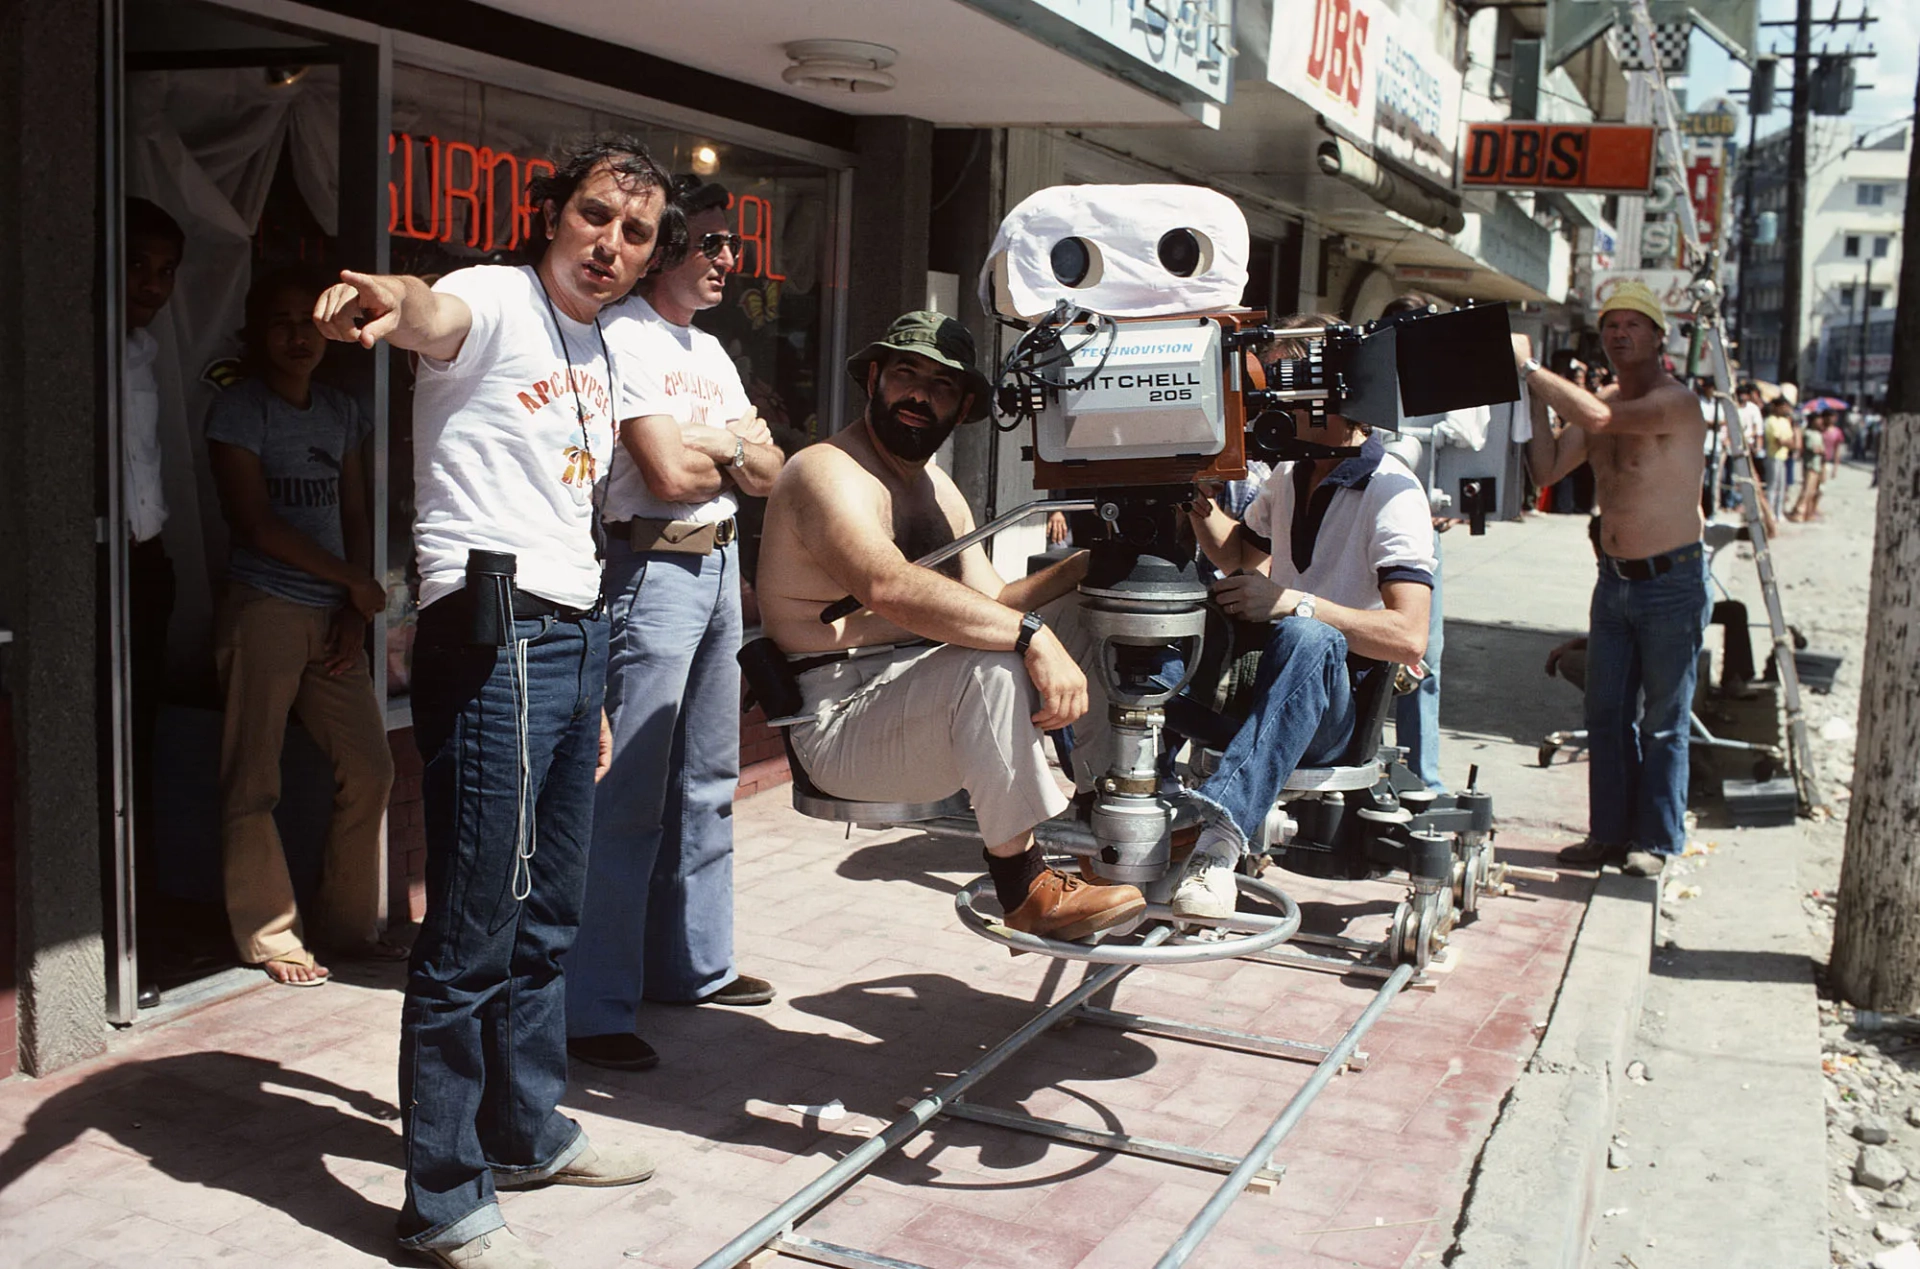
[[431, 178]]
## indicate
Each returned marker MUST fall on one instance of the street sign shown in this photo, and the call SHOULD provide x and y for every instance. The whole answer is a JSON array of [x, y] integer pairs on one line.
[[1608, 158], [1717, 118], [1670, 285]]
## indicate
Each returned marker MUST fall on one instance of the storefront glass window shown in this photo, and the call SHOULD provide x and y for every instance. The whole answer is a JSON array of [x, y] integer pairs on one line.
[[460, 155]]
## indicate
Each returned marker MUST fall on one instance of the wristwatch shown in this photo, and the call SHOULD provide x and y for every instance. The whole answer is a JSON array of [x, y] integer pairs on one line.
[[1527, 368], [739, 454], [1304, 608], [1030, 625]]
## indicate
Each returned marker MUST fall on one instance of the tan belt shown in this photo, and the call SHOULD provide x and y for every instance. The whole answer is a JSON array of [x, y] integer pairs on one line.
[[683, 537]]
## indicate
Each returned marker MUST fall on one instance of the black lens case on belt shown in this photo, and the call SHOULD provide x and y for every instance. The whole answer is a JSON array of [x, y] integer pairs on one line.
[[490, 589]]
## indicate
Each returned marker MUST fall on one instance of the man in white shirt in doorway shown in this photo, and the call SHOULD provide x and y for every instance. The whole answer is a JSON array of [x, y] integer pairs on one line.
[[513, 425], [658, 923]]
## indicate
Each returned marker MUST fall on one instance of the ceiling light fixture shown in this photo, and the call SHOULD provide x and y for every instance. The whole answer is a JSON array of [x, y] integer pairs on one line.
[[839, 66], [706, 160]]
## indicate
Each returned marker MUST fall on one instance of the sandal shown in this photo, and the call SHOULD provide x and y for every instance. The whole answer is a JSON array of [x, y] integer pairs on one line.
[[279, 969]]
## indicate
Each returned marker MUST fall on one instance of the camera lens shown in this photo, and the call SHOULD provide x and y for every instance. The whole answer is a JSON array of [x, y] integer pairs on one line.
[[1072, 261], [1180, 252]]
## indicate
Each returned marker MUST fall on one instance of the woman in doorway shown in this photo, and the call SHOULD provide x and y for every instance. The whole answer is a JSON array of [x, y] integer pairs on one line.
[[289, 637]]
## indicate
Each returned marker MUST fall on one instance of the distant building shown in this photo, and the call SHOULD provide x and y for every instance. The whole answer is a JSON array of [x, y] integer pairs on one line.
[[1856, 200]]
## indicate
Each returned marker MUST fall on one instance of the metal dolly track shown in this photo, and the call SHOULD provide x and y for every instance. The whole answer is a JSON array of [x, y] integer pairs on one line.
[[774, 1232]]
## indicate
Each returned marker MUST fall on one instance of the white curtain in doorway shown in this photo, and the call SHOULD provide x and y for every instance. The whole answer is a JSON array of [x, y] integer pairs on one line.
[[204, 145]]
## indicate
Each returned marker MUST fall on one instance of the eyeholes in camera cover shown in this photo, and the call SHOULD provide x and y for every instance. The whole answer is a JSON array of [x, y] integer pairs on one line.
[[1119, 250], [1076, 262], [1184, 252]]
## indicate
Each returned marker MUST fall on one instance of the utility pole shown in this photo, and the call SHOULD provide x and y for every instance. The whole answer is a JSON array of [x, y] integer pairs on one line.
[[1788, 369], [1866, 300], [1749, 220], [1876, 932]]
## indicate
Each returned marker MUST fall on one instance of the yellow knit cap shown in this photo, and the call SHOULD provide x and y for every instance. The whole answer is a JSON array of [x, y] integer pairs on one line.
[[1635, 296]]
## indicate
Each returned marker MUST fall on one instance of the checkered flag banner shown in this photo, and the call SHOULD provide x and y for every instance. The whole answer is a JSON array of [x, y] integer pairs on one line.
[[1669, 38]]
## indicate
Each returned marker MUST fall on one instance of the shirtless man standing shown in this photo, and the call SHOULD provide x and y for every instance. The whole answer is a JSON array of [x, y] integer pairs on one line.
[[973, 673], [1644, 437]]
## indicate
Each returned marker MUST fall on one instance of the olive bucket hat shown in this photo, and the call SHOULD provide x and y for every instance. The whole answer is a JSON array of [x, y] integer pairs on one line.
[[936, 337]]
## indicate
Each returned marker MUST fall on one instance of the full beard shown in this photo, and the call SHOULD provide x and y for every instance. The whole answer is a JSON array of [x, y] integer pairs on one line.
[[902, 439]]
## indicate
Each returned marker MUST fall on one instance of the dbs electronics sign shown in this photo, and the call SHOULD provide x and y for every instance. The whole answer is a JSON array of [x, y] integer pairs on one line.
[[1604, 158]]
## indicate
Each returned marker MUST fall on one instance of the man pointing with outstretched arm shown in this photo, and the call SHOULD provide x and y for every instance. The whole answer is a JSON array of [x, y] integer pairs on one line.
[[1644, 436], [513, 422]]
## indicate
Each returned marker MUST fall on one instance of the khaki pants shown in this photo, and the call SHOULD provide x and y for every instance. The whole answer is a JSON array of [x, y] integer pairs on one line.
[[920, 724], [269, 652]]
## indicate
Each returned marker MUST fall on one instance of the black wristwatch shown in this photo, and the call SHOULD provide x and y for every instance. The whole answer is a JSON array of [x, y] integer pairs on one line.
[[1030, 625]]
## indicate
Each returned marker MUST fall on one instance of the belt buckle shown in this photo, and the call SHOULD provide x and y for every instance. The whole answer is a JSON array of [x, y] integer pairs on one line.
[[724, 531]]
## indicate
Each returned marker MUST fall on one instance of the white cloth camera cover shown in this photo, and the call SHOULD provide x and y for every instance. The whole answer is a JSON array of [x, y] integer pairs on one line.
[[1122, 225]]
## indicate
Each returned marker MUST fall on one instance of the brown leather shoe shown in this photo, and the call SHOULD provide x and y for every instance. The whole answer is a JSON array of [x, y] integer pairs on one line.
[[1063, 907]]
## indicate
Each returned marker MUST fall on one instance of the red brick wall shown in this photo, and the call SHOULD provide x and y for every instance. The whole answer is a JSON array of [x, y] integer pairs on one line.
[[763, 765], [9, 1008]]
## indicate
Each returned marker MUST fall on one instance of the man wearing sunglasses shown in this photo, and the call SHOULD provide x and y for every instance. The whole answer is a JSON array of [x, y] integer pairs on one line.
[[658, 923]]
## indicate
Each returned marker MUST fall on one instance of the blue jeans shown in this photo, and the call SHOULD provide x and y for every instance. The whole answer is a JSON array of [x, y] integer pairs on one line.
[[1644, 639], [483, 1056], [659, 915], [1416, 716], [1303, 715]]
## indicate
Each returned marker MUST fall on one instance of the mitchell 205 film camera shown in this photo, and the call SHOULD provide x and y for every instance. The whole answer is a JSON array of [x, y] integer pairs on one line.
[[1140, 374], [1136, 364]]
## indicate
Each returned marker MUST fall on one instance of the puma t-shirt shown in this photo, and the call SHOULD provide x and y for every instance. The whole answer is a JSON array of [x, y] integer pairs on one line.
[[681, 372], [510, 438], [301, 454]]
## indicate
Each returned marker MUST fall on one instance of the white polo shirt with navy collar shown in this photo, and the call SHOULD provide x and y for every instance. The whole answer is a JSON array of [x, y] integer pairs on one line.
[[1367, 524]]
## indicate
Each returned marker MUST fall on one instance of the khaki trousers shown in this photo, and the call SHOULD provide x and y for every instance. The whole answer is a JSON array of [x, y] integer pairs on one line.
[[270, 652], [921, 724]]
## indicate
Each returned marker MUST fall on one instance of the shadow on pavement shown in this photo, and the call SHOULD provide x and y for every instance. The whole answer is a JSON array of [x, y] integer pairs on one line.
[[1732, 966], [231, 1122], [886, 1038], [915, 858], [1494, 682]]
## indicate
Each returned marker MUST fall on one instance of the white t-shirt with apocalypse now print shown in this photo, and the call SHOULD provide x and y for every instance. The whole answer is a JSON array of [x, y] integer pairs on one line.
[[502, 459], [680, 372]]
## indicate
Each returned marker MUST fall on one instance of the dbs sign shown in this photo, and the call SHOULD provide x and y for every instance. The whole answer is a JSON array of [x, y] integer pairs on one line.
[[1603, 158], [1337, 55]]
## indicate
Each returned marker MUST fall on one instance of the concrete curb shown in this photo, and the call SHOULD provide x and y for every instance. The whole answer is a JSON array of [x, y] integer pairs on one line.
[[1531, 1202]]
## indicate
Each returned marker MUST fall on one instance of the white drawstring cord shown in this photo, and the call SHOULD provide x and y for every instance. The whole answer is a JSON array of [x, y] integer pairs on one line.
[[526, 830]]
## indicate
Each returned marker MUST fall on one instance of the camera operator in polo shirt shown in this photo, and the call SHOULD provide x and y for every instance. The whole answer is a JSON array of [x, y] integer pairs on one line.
[[659, 917], [1338, 554], [514, 421]]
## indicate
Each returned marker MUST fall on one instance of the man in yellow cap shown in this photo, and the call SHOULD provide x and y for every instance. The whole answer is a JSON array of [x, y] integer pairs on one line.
[[1644, 436]]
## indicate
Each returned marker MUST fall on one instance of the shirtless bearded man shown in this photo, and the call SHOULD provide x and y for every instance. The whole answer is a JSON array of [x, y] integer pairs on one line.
[[973, 673], [1644, 437]]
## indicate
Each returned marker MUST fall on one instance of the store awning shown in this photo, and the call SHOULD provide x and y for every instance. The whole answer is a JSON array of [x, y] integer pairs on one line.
[[1266, 151], [955, 63]]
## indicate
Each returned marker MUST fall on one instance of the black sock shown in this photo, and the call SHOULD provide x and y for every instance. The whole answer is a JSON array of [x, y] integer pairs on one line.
[[1013, 876]]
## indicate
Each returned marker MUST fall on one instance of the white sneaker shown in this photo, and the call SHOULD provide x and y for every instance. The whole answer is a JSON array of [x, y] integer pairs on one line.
[[1207, 888]]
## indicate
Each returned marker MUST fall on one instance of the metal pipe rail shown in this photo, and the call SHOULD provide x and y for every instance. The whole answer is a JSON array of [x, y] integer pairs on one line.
[[775, 1230], [1262, 1153], [900, 1131]]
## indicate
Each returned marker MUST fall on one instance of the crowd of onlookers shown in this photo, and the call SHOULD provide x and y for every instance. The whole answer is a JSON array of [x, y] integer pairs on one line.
[[1790, 445]]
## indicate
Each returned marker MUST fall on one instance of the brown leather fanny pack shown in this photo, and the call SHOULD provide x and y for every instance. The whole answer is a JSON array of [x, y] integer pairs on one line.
[[682, 537]]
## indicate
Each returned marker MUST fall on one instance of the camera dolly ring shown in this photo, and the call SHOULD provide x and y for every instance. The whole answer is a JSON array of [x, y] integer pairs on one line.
[[1242, 934]]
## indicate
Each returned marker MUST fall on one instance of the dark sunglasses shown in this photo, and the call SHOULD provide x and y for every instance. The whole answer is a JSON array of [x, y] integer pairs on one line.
[[711, 245]]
